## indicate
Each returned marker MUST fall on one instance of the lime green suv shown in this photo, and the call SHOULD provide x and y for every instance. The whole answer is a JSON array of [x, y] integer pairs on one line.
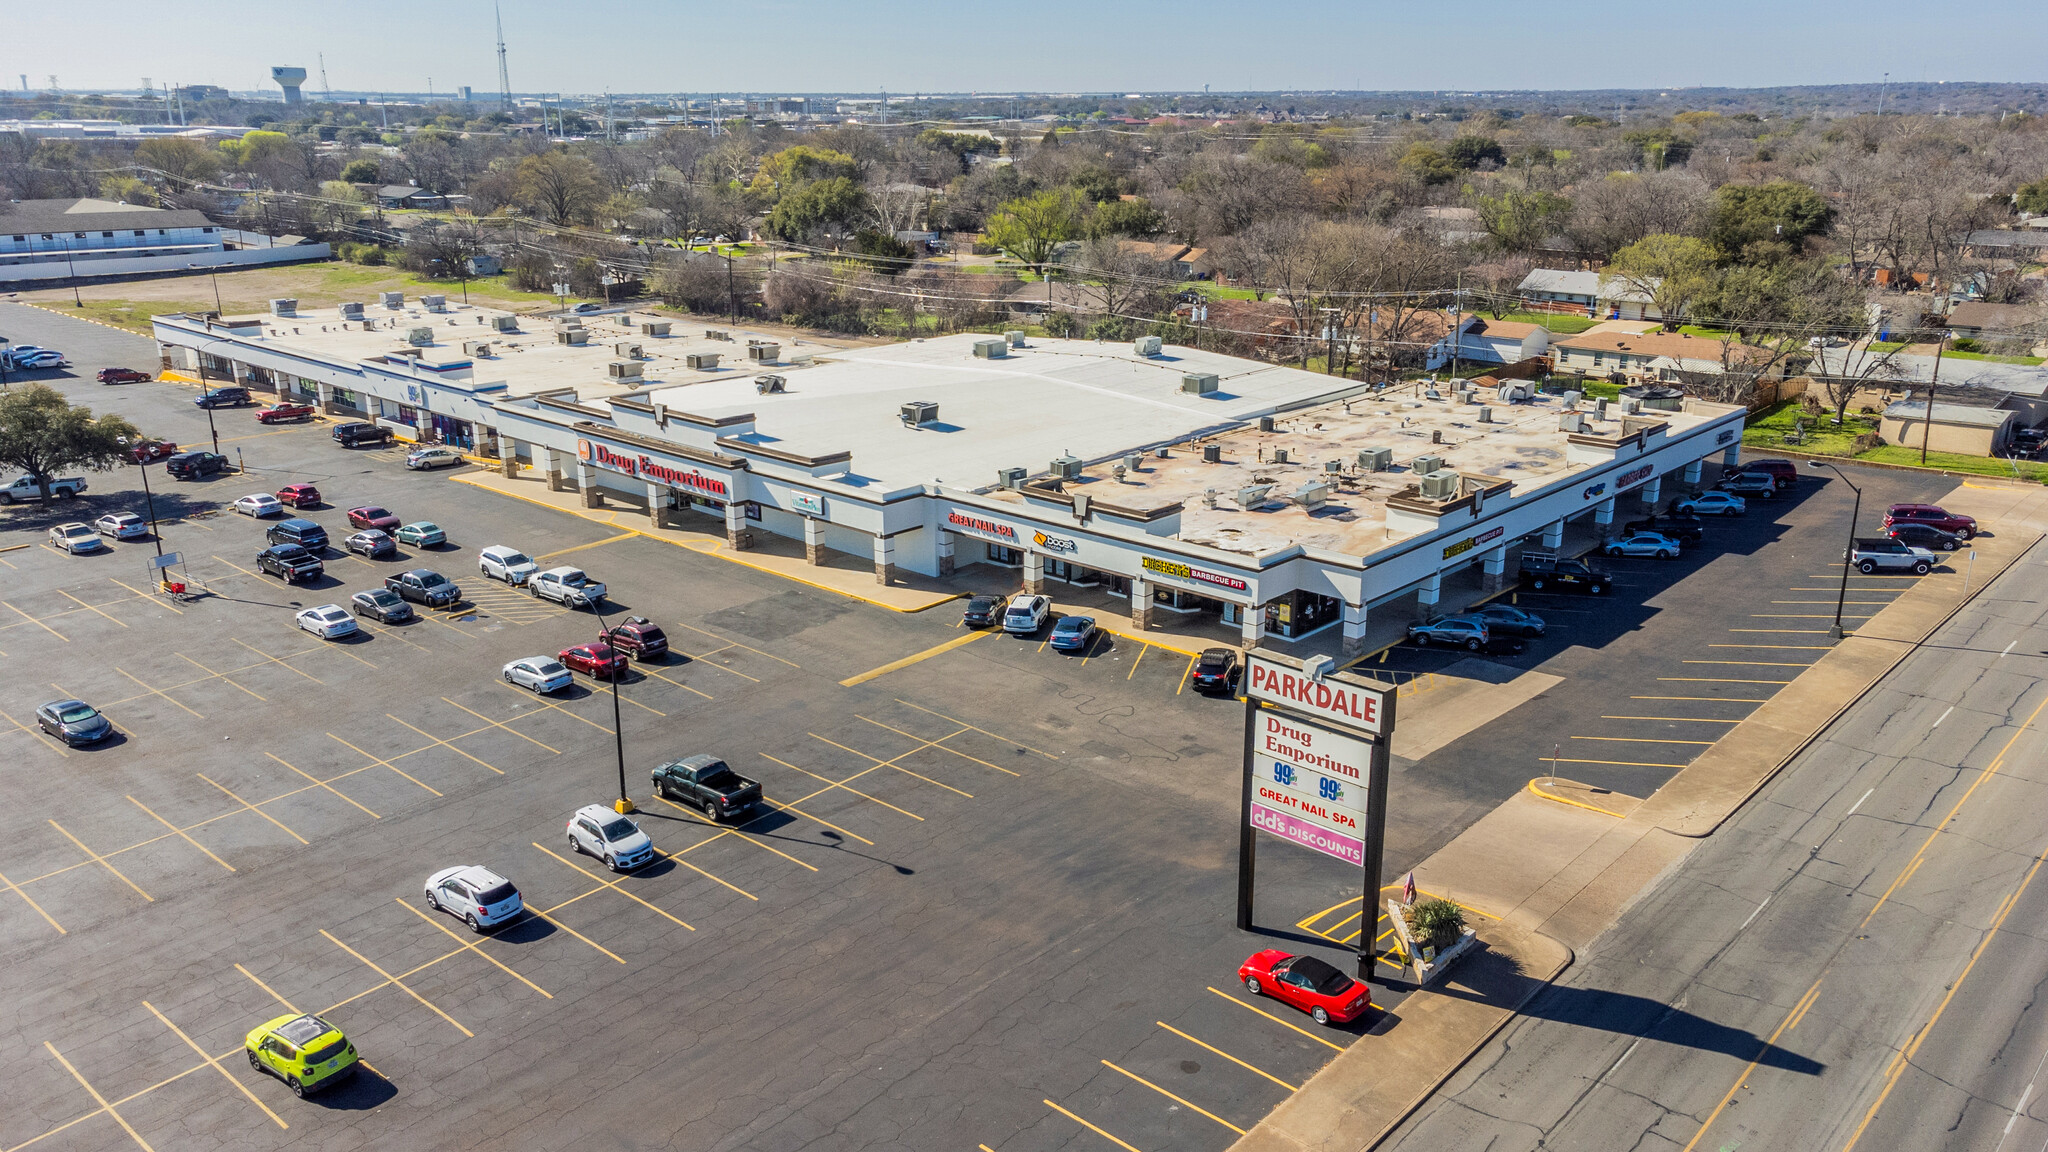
[[305, 1052]]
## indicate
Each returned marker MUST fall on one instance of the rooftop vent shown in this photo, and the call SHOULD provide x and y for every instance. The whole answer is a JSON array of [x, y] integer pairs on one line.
[[1279, 456], [500, 323], [284, 307], [1440, 485], [1067, 467], [1253, 496], [1010, 477], [1571, 422], [991, 349], [654, 327], [1148, 345], [769, 383], [1333, 465], [702, 361], [1133, 461], [1212, 453], [1485, 414], [1199, 383], [624, 369], [1312, 495], [477, 348], [1375, 459], [919, 412], [1569, 400], [1424, 465]]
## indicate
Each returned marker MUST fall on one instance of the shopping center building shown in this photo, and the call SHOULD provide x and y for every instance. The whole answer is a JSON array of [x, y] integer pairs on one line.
[[1283, 502]]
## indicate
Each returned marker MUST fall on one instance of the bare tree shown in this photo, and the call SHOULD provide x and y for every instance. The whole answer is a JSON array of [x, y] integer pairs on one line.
[[1120, 278]]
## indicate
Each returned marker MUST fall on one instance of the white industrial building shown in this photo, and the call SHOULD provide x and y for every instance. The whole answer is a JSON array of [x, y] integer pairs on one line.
[[54, 241], [1282, 501]]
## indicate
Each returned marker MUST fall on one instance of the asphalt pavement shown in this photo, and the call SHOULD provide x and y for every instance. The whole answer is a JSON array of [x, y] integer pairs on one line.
[[1853, 961]]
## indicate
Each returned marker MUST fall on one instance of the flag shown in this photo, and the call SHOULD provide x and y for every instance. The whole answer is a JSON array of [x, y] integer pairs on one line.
[[1408, 889]]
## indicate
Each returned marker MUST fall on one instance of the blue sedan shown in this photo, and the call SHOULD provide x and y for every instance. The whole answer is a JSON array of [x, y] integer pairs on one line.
[[1073, 633]]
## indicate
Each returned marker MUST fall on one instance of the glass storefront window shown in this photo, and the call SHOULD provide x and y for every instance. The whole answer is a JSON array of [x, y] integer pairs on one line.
[[1007, 557]]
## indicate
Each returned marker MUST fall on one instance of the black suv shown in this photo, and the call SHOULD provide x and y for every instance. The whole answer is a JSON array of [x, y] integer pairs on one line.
[[357, 433], [1215, 670], [193, 465], [984, 611], [640, 638], [1683, 528], [290, 562], [300, 531], [423, 586], [223, 398]]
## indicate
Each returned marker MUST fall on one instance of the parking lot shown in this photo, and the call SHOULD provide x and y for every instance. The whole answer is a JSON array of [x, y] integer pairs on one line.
[[989, 902]]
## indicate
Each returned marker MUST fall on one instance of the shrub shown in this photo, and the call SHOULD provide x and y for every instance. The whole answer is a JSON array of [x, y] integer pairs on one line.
[[1437, 923], [1866, 442]]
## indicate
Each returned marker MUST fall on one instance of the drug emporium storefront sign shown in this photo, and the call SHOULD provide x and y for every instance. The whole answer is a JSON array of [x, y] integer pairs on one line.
[[648, 468]]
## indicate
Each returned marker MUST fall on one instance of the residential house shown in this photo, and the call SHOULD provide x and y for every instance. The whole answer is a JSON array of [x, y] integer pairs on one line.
[[1171, 254], [1592, 294], [1653, 357], [1483, 340], [1961, 428], [2031, 244], [408, 196], [1973, 320]]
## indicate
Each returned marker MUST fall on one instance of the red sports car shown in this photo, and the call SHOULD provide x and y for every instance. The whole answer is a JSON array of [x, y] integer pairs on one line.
[[299, 495], [1307, 983], [145, 451], [280, 413], [372, 517], [597, 660]]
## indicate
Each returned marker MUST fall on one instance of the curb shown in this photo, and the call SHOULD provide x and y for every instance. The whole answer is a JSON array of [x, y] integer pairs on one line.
[[1556, 799]]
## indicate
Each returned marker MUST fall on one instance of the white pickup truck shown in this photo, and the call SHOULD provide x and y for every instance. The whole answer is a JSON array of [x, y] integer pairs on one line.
[[27, 491]]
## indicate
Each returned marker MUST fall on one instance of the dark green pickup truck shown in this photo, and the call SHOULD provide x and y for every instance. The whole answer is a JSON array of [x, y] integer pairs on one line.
[[706, 782]]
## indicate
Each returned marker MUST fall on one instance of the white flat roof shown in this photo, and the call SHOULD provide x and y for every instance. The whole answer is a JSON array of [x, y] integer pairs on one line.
[[1048, 399]]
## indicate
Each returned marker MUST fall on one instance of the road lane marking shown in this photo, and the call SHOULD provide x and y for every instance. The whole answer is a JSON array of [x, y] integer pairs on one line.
[[1940, 718], [1858, 803], [914, 658], [2008, 648], [1755, 914]]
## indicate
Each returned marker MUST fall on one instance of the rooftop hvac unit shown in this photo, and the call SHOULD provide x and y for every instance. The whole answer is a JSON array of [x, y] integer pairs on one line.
[[764, 353], [562, 322], [919, 412], [1134, 461], [1067, 467], [1312, 495], [624, 369], [993, 349], [1148, 345], [1010, 477], [1212, 453], [702, 361], [1571, 422], [392, 299], [505, 323], [1014, 337], [770, 383], [626, 350], [1333, 465], [1375, 459], [1199, 383], [1599, 409], [1424, 465], [623, 319], [351, 311], [1512, 391], [419, 337], [284, 307], [434, 303], [1279, 455], [1630, 406], [654, 327], [1253, 496], [478, 348], [572, 336], [1569, 400], [717, 334], [1440, 485], [1265, 423], [1485, 414]]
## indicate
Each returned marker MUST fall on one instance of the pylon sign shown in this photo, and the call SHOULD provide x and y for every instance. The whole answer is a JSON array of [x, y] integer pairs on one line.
[[1316, 763]]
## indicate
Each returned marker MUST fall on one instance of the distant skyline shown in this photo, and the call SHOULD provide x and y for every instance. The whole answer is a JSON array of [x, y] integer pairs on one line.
[[907, 46]]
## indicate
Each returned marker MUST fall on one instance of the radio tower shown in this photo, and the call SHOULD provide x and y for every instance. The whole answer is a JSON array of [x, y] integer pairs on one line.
[[504, 77], [326, 93]]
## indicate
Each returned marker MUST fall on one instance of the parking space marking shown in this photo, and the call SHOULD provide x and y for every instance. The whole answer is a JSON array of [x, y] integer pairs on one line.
[[38, 733], [146, 688], [252, 807], [1687, 719], [737, 644], [983, 731], [103, 862], [1716, 680], [678, 683], [473, 946], [1091, 1127], [614, 885], [401, 637], [1618, 763], [389, 764], [792, 807], [1876, 602], [17, 890], [1714, 699], [1180, 1100], [734, 831], [1228, 1056], [288, 1005], [677, 857], [98, 1099], [440, 743], [1785, 631], [720, 667], [1750, 663], [1142, 649], [1276, 1019], [891, 763], [281, 660], [400, 984], [636, 703], [913, 658], [239, 568], [504, 724], [1808, 615], [545, 915], [939, 743], [215, 1064], [1646, 740], [583, 547], [182, 834], [550, 704], [93, 608], [1785, 647], [322, 783], [830, 784], [1187, 672], [212, 675]]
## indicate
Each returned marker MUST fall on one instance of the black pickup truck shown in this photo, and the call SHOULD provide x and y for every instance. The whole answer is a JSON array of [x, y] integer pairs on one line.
[[706, 782], [1541, 570]]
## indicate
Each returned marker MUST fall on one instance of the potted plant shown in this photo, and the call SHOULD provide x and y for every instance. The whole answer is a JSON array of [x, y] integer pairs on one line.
[[1438, 933]]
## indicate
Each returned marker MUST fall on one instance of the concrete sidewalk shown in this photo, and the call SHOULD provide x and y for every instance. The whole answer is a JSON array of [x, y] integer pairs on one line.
[[1559, 863]]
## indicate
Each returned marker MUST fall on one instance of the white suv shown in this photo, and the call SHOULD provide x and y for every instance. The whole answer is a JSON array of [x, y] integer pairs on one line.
[[475, 895], [610, 837], [501, 562], [567, 586], [1026, 614]]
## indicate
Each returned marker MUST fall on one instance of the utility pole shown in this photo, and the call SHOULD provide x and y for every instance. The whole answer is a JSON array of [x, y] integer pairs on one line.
[[1927, 427], [1881, 89], [1330, 330], [731, 297]]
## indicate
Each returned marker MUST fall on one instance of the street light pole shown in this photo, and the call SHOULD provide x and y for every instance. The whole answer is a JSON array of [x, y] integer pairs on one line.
[[624, 804], [150, 500], [1849, 555]]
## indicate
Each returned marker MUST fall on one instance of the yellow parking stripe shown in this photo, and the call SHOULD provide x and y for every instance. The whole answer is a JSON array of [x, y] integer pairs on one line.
[[209, 1058], [907, 661], [1276, 1019], [1180, 1100]]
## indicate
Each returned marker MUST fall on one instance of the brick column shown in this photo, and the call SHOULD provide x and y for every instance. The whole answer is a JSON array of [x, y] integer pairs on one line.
[[814, 541], [738, 536], [1354, 630], [885, 559], [557, 482], [327, 404], [1493, 569], [586, 483], [1141, 604], [1253, 630], [945, 552], [657, 504], [1034, 573], [508, 456]]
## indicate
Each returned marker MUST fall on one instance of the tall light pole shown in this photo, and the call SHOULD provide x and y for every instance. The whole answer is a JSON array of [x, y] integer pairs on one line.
[[150, 500], [624, 803], [1848, 556], [71, 270], [213, 274]]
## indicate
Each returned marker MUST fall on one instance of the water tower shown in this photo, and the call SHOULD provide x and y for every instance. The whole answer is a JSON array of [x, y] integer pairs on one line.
[[289, 79]]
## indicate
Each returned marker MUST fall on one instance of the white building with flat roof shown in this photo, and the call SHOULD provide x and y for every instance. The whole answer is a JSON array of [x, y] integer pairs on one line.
[[1283, 501]]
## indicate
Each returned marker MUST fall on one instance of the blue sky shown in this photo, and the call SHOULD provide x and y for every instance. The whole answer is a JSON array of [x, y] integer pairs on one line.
[[1032, 45]]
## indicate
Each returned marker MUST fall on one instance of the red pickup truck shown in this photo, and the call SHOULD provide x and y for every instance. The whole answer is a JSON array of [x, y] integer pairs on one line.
[[279, 413]]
